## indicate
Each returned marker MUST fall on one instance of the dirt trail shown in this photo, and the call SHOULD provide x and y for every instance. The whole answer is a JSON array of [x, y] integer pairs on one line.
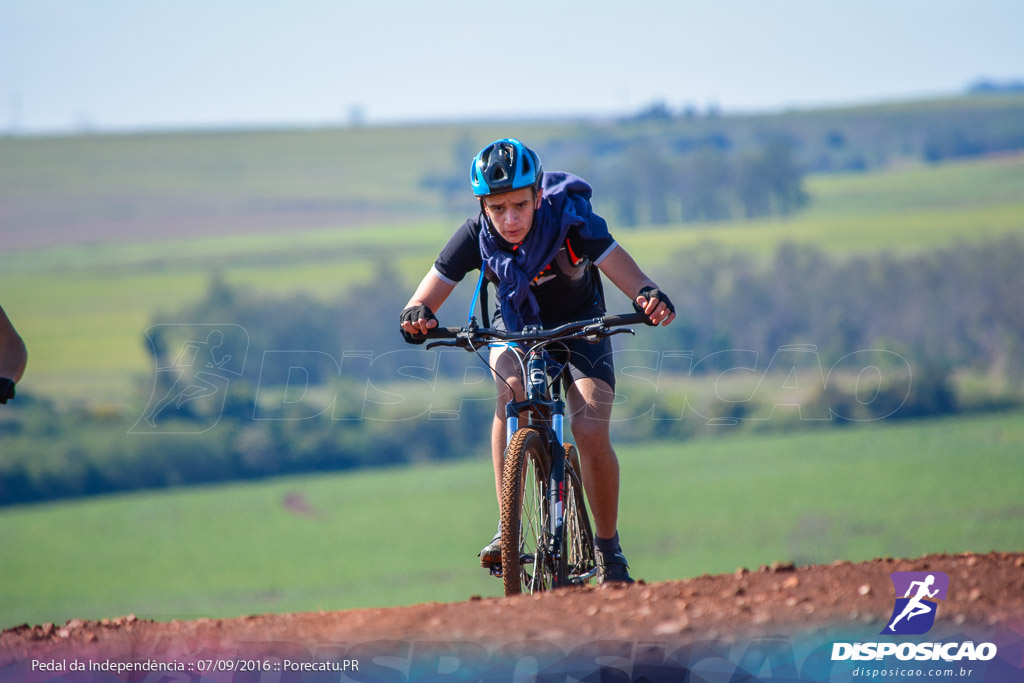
[[985, 591]]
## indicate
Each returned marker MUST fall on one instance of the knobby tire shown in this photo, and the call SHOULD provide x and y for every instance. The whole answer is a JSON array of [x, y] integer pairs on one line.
[[524, 514]]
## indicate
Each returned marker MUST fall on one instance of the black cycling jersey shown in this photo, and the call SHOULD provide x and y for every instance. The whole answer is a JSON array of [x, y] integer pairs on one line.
[[569, 288]]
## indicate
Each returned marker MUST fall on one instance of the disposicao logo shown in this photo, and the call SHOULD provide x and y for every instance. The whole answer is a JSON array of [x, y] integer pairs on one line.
[[917, 596]]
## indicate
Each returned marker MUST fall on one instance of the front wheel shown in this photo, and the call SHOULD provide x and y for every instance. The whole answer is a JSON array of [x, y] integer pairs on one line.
[[525, 566]]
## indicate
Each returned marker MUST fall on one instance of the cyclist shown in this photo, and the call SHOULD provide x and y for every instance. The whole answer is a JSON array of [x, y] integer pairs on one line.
[[13, 357], [541, 245]]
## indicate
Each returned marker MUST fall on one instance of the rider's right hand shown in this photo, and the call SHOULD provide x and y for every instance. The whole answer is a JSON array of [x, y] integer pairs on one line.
[[415, 321]]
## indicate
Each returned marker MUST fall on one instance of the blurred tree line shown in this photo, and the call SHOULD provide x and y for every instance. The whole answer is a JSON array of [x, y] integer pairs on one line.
[[661, 166], [951, 308], [642, 183], [300, 405], [646, 184]]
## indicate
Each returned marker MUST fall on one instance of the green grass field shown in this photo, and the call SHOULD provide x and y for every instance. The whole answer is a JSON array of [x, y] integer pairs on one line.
[[405, 536], [83, 309]]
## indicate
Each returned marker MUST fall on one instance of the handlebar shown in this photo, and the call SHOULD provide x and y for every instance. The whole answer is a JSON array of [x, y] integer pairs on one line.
[[472, 336]]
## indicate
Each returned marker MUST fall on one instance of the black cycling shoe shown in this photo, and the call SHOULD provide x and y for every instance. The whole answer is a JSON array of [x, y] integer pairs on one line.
[[612, 568], [491, 554]]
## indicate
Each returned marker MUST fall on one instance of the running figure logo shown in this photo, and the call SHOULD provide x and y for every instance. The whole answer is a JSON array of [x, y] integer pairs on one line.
[[914, 613], [194, 365]]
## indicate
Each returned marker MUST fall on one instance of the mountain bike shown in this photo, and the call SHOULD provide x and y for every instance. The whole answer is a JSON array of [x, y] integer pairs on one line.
[[547, 540]]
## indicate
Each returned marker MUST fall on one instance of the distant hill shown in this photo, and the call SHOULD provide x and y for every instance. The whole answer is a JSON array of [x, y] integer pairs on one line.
[[99, 188], [986, 87]]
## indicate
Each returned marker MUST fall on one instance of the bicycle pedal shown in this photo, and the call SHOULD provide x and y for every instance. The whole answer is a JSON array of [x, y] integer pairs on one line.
[[495, 570]]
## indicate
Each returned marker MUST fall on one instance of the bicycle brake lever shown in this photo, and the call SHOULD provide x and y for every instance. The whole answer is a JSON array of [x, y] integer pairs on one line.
[[451, 342], [602, 331]]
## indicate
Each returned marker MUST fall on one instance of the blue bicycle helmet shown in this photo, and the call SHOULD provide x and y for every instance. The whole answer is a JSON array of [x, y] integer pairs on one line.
[[503, 166]]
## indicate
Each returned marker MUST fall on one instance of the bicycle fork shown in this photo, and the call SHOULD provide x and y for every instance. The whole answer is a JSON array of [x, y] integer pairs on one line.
[[555, 490]]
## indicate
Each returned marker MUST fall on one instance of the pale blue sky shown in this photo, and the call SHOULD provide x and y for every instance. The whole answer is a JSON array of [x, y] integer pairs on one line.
[[126, 64]]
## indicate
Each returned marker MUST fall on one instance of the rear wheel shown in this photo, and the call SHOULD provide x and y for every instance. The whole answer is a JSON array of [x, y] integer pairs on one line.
[[525, 567], [578, 549]]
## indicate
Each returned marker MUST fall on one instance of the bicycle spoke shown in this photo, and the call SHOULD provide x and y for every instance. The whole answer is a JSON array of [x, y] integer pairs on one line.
[[579, 541]]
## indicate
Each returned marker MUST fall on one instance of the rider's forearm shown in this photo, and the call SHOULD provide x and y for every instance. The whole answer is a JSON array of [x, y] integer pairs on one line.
[[623, 271], [13, 367], [432, 292]]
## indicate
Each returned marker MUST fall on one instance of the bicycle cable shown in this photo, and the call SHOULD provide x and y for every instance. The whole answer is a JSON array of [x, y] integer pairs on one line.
[[494, 370], [561, 366], [519, 356]]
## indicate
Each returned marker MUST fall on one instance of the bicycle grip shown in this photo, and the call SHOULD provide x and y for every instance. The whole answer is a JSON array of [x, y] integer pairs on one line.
[[626, 319], [443, 332]]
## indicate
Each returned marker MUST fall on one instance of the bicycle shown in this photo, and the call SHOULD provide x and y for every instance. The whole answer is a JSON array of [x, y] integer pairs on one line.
[[547, 539]]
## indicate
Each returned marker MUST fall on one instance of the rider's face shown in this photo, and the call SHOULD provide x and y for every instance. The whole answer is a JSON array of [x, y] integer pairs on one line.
[[511, 213]]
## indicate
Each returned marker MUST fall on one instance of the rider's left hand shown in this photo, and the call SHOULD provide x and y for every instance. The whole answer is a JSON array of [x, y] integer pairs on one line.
[[656, 305]]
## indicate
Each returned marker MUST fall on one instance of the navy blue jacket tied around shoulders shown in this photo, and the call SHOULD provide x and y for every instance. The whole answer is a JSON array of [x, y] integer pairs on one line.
[[565, 205]]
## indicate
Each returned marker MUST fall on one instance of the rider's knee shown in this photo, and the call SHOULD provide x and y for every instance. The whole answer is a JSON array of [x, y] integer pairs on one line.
[[512, 391], [593, 433]]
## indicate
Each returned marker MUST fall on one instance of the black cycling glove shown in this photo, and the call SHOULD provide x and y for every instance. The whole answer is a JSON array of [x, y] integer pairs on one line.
[[412, 314], [652, 293], [6, 389]]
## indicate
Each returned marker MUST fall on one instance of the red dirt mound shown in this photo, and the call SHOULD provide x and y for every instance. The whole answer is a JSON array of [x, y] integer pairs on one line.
[[984, 591]]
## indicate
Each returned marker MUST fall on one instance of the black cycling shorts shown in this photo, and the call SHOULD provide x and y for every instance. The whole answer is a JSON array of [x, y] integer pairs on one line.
[[586, 360]]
